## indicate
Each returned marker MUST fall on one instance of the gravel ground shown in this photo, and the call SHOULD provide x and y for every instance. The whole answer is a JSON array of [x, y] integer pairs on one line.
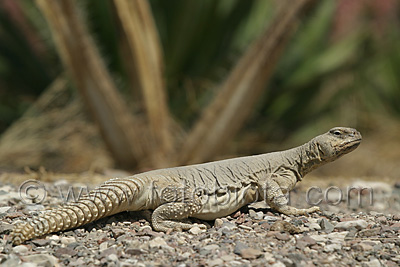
[[345, 234]]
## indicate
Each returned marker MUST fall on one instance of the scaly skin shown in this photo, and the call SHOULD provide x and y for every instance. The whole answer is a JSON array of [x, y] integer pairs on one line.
[[204, 191]]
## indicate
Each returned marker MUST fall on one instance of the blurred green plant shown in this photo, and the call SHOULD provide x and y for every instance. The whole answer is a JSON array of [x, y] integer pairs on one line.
[[318, 80]]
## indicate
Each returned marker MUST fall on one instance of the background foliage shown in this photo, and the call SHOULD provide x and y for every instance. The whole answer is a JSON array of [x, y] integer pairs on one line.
[[340, 68]]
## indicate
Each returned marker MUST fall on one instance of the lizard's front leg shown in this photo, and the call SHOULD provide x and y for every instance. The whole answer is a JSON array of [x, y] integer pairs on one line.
[[179, 204], [276, 199]]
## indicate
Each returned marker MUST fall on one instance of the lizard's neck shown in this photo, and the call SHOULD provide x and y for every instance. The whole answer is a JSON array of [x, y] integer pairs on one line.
[[308, 158]]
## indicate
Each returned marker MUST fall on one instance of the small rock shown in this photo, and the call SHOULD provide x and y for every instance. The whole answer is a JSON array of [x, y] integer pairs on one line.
[[159, 242], [215, 262], [358, 224], [283, 226], [112, 257], [250, 253], [218, 223], [228, 258], [196, 230], [256, 215], [65, 251], [229, 225], [314, 226], [245, 227], [67, 240], [107, 252], [308, 240], [319, 238], [145, 228], [362, 247], [326, 225], [211, 247], [369, 232], [55, 238], [117, 232], [103, 246], [78, 262], [4, 209], [270, 218], [239, 247], [134, 251], [374, 262], [337, 236], [42, 260], [21, 249], [396, 217], [332, 247], [283, 237], [5, 227]]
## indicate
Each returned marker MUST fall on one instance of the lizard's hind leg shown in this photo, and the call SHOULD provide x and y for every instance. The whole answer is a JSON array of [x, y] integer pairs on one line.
[[178, 206]]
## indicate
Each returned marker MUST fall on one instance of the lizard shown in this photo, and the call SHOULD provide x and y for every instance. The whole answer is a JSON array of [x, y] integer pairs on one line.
[[204, 191]]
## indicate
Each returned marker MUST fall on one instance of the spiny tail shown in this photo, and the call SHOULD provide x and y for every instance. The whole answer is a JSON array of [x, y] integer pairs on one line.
[[112, 197]]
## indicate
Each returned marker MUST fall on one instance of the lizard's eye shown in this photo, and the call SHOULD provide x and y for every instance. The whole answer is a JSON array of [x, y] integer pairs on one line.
[[336, 132]]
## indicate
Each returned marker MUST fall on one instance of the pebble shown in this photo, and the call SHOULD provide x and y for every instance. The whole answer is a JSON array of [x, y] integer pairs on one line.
[[218, 223], [326, 225], [215, 262], [20, 249], [239, 247], [358, 224], [159, 242], [270, 218], [373, 263], [314, 226], [250, 253], [196, 230], [67, 240], [42, 259], [211, 247], [245, 227], [256, 215], [228, 258], [65, 251], [4, 209], [112, 257], [283, 226], [332, 247], [103, 246], [283, 237]]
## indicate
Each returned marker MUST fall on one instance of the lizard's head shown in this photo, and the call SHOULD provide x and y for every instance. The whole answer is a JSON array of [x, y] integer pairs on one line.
[[337, 142]]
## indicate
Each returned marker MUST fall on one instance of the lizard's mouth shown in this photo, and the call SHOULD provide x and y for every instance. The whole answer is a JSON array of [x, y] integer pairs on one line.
[[350, 145]]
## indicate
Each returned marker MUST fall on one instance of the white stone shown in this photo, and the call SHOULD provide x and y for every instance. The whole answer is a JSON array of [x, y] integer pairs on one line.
[[67, 240], [21, 249], [159, 242], [314, 226], [358, 224], [4, 209], [211, 247], [196, 230], [103, 246]]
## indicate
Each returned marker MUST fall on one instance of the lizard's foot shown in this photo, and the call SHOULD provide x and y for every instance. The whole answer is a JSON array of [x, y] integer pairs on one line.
[[174, 216]]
